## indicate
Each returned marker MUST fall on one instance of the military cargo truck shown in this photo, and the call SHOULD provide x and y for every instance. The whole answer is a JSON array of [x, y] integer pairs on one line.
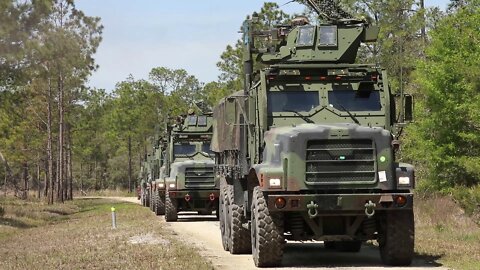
[[146, 181], [189, 170], [307, 150], [158, 184]]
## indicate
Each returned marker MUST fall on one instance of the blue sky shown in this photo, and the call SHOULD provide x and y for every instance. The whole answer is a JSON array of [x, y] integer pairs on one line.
[[143, 34]]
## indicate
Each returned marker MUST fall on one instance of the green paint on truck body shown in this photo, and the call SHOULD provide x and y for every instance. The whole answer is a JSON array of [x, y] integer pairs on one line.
[[313, 131]]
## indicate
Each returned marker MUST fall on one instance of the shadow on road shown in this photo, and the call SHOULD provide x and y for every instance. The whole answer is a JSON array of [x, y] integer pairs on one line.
[[194, 217], [303, 255]]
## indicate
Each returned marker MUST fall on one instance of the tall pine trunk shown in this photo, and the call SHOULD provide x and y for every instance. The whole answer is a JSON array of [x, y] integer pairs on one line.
[[61, 158], [39, 182], [49, 186], [129, 163], [69, 172], [25, 177]]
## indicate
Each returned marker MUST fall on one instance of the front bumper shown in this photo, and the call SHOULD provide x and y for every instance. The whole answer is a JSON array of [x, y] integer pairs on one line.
[[335, 204], [211, 195]]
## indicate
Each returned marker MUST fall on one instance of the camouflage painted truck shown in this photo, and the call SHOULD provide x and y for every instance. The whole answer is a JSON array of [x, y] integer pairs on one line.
[[145, 176], [158, 179], [189, 170], [307, 150], [151, 189]]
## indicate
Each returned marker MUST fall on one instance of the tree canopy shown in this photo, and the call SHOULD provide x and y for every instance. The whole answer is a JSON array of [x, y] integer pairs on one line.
[[57, 134]]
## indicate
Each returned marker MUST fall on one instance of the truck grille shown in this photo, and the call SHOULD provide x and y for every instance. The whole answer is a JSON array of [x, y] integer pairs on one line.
[[199, 177], [340, 162]]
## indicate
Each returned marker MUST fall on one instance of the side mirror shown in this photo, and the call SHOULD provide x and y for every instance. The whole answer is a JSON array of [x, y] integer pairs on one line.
[[408, 108]]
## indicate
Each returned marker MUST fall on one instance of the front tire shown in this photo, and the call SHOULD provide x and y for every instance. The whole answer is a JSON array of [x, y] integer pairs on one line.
[[153, 203], [396, 239], [147, 198], [142, 198], [159, 206], [170, 209], [267, 233]]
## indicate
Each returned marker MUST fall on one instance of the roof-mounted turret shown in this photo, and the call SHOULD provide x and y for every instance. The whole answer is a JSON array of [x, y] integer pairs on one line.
[[335, 41]]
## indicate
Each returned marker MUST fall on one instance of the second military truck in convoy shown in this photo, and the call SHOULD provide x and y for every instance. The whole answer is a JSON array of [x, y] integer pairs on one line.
[[189, 176], [307, 150]]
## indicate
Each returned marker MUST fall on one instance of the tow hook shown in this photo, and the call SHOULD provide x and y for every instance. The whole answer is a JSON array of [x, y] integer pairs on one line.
[[370, 209], [312, 209]]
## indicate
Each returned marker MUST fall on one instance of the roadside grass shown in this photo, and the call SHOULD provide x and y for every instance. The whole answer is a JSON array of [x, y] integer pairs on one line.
[[79, 235], [443, 230]]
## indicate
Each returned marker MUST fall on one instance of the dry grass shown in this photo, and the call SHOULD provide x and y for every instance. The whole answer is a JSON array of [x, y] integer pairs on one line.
[[106, 193], [446, 234], [79, 236]]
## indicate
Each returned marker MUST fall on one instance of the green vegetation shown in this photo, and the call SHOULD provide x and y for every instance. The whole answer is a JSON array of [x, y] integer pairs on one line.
[[444, 142], [445, 234], [47, 114], [78, 235]]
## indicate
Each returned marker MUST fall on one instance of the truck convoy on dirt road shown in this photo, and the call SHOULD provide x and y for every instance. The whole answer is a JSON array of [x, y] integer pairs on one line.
[[182, 169], [307, 150]]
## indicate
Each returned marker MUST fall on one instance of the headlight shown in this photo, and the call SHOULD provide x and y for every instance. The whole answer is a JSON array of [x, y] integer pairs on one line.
[[275, 182], [171, 185], [404, 181], [161, 185]]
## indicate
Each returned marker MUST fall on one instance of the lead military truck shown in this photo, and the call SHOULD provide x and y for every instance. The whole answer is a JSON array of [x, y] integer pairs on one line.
[[307, 150], [189, 170]]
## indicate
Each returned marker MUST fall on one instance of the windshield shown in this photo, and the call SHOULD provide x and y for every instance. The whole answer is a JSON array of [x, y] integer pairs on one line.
[[359, 101], [298, 101], [206, 148], [184, 149]]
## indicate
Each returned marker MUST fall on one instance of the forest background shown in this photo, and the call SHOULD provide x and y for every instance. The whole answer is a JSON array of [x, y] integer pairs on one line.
[[57, 135]]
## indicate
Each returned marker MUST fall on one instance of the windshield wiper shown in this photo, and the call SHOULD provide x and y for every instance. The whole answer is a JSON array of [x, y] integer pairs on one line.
[[306, 119], [349, 113]]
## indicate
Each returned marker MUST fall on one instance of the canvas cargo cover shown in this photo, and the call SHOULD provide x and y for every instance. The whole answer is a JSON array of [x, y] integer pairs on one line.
[[226, 129]]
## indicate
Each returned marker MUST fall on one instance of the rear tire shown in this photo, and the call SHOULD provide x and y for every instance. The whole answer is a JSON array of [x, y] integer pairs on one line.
[[396, 239], [267, 233], [223, 212], [239, 242], [170, 209]]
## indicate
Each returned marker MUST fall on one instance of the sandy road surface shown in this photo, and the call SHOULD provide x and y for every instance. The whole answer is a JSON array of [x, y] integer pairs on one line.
[[204, 233]]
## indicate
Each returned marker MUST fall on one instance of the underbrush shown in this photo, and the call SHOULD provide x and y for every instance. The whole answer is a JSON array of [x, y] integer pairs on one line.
[[445, 231], [468, 199]]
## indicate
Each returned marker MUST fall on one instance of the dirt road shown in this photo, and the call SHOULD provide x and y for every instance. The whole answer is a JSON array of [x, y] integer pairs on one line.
[[204, 233]]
